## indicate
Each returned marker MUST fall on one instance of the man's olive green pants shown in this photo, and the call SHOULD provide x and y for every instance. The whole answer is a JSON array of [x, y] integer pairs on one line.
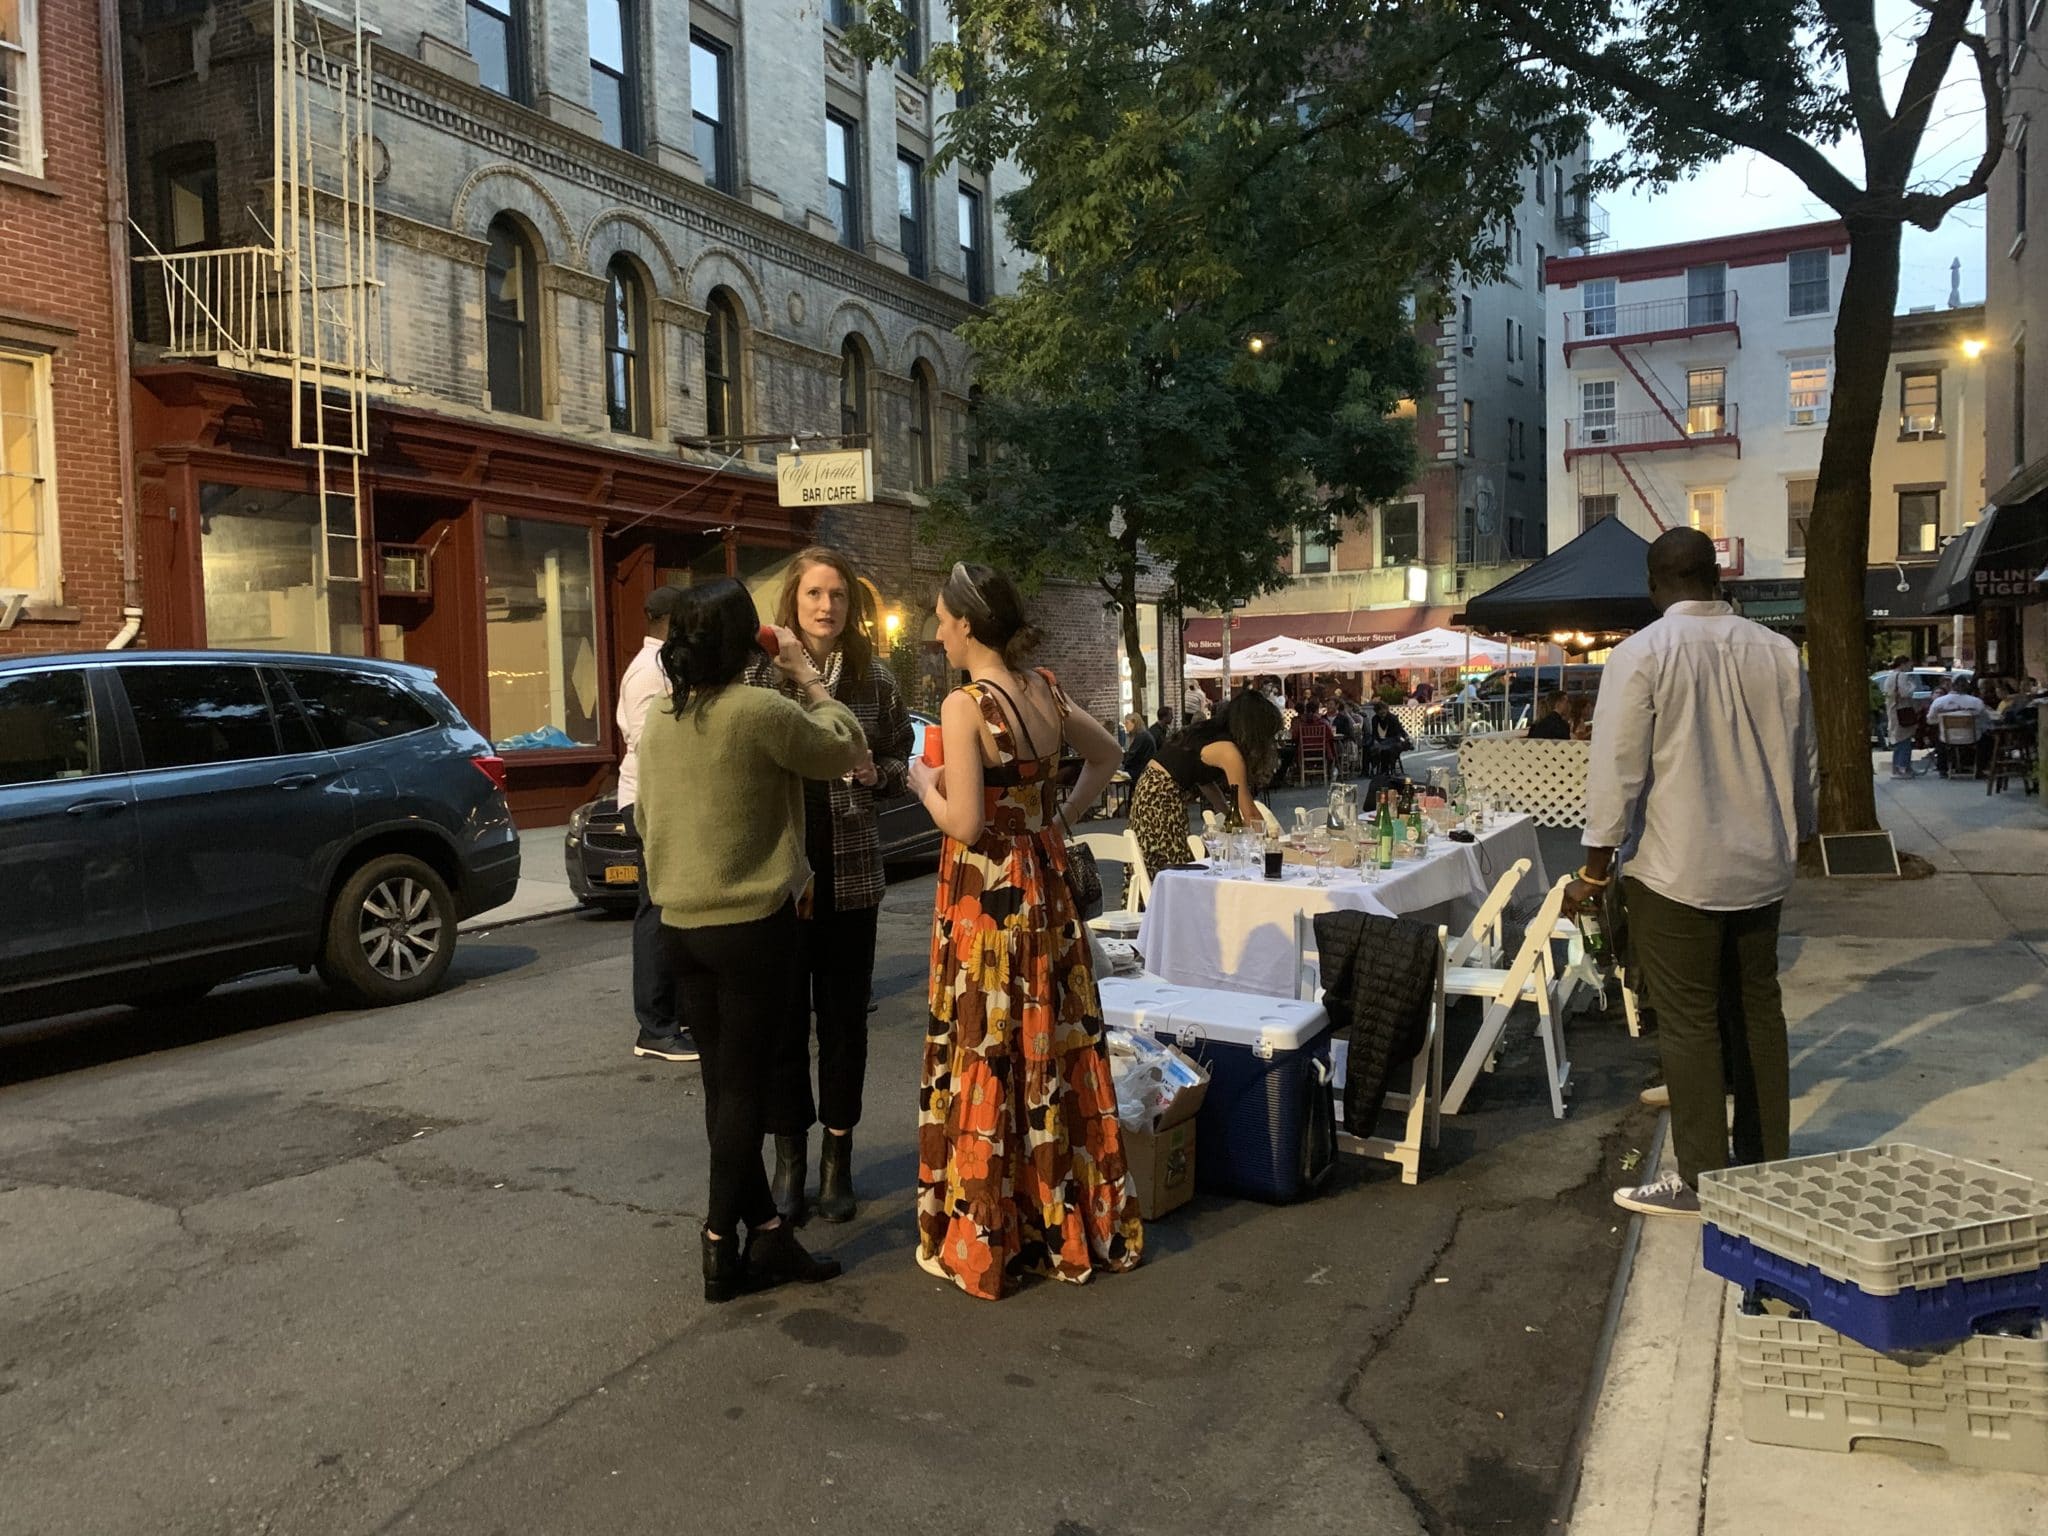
[[1710, 975]]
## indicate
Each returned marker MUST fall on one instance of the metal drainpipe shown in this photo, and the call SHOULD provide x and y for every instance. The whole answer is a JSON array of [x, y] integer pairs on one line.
[[115, 119]]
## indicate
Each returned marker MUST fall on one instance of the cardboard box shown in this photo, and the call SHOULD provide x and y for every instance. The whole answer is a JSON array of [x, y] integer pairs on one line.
[[1162, 1159]]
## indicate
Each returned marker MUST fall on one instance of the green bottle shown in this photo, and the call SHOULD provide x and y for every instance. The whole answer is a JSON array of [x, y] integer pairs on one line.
[[1383, 831]]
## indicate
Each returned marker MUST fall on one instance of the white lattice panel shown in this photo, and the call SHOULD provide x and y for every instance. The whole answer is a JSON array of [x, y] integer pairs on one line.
[[1547, 779]]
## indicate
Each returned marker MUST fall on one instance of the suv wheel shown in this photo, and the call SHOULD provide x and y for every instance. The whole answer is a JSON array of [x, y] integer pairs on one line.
[[390, 933]]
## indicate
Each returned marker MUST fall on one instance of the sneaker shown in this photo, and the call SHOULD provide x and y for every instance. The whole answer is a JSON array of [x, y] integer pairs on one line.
[[1666, 1195], [670, 1045], [1658, 1096]]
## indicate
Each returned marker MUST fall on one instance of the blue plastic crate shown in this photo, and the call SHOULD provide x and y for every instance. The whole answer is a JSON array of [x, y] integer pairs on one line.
[[1914, 1319]]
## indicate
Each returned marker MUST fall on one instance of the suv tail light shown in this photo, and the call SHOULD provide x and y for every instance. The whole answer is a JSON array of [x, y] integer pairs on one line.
[[492, 767]]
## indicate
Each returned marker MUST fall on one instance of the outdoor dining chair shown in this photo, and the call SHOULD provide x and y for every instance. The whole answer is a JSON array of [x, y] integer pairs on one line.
[[1121, 924], [1528, 978]]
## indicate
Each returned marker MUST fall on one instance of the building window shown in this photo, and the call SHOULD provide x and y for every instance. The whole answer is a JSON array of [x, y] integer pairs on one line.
[[913, 37], [1600, 296], [1593, 508], [1539, 186], [28, 514], [1706, 402], [843, 14], [723, 415], [1312, 551], [1465, 321], [1557, 187], [1703, 510], [625, 348], [1806, 283], [853, 394], [1467, 423], [188, 197], [1542, 257], [540, 634], [511, 307], [1510, 343], [1920, 403], [973, 255], [497, 41], [21, 118], [1706, 294], [1596, 409], [1919, 523], [1542, 363], [1401, 534], [615, 72], [1467, 552], [910, 210], [1807, 395], [2019, 404], [842, 178], [923, 427], [711, 110], [1798, 513], [264, 590]]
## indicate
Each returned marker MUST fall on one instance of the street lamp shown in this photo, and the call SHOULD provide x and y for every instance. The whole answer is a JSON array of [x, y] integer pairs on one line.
[[1973, 347]]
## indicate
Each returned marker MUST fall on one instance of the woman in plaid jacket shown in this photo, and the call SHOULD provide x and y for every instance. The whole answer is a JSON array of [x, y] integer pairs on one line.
[[825, 603]]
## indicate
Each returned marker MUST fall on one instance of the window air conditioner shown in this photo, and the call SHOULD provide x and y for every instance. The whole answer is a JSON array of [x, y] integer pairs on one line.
[[1805, 416], [1599, 434]]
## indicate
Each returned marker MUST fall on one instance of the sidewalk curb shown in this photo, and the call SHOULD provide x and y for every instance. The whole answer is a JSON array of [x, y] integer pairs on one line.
[[485, 922], [1603, 1348]]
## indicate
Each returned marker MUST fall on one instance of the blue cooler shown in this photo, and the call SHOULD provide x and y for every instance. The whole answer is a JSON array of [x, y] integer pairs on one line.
[[1267, 1127]]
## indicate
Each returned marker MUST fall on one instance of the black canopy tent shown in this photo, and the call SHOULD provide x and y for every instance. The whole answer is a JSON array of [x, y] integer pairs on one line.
[[1599, 583]]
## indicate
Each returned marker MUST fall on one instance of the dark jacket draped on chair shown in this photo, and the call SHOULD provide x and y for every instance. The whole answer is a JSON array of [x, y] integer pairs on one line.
[[1379, 983]]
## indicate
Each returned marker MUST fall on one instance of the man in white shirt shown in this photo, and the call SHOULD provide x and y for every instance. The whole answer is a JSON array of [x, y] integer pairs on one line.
[[1960, 700], [1705, 765], [654, 988]]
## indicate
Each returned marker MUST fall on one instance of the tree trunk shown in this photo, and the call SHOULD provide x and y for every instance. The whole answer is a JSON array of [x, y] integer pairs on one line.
[[1838, 535], [1127, 606]]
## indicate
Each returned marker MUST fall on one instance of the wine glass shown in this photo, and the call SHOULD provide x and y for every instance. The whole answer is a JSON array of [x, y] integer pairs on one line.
[[1301, 821], [1318, 844]]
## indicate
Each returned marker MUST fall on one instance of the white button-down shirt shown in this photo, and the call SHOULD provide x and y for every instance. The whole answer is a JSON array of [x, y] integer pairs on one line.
[[1966, 704], [1705, 748], [643, 683]]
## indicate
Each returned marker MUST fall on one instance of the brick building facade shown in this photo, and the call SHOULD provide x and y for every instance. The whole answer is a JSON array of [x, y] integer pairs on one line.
[[63, 552]]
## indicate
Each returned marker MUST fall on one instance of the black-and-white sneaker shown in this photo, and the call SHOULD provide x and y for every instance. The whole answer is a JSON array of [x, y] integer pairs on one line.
[[1666, 1195], [670, 1045]]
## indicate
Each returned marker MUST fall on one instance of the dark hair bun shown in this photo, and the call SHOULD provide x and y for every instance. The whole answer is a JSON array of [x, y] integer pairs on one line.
[[711, 638]]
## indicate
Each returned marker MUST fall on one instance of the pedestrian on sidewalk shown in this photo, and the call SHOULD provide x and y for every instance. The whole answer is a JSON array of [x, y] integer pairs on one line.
[[722, 771], [1901, 718], [662, 1035], [1705, 765], [1020, 1160], [827, 606]]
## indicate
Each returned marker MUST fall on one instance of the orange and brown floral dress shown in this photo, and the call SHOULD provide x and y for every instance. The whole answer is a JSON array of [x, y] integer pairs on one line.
[[1020, 1160]]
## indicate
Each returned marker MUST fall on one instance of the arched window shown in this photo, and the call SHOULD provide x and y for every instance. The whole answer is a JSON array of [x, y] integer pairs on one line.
[[625, 348], [853, 394], [923, 427], [723, 413], [511, 315]]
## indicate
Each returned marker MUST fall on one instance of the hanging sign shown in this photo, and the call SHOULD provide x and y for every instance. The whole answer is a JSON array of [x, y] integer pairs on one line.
[[844, 477]]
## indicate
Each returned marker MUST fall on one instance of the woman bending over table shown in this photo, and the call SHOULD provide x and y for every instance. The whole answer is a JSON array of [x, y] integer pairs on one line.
[[1218, 763], [1020, 1161]]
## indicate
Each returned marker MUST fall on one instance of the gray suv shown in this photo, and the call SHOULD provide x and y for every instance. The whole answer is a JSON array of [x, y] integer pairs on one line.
[[169, 820]]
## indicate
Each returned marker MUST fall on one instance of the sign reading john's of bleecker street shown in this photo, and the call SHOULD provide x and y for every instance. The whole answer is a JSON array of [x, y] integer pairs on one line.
[[841, 478]]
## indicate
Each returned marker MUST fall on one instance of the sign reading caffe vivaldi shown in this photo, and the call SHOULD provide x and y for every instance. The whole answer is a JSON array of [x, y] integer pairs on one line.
[[844, 477]]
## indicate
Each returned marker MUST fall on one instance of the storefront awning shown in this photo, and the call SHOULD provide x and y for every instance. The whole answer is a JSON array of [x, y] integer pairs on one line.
[[1348, 630], [1893, 595], [1993, 560]]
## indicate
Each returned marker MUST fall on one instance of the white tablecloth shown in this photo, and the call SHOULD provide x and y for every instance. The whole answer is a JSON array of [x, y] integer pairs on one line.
[[1237, 933]]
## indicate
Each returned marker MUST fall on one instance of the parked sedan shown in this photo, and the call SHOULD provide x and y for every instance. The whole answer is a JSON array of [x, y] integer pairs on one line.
[[603, 855]]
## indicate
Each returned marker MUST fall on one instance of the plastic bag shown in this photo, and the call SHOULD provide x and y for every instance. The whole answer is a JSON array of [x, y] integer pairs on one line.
[[1147, 1074]]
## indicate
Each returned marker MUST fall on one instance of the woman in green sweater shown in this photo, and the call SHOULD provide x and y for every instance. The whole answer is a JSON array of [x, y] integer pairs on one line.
[[721, 814]]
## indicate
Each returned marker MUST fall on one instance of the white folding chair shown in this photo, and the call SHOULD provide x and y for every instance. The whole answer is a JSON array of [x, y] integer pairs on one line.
[[1134, 861], [1266, 816], [1479, 944], [1122, 924], [1198, 848], [1419, 1105], [1527, 980]]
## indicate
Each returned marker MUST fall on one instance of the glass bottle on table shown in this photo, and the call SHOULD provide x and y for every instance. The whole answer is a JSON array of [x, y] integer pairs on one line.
[[1383, 831]]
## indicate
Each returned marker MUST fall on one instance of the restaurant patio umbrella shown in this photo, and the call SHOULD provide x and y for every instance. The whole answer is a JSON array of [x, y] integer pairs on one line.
[[1284, 656], [1201, 666], [1435, 648]]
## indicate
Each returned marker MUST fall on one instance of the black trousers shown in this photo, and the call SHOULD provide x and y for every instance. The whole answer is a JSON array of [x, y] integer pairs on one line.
[[654, 976], [838, 976], [738, 986]]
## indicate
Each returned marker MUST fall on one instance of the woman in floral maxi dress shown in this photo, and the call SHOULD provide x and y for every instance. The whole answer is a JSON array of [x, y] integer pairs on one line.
[[1020, 1157]]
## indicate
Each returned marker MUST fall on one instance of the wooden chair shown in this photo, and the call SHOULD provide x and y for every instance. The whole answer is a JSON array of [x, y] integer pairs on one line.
[[1419, 1107], [1311, 758], [1958, 736], [1120, 847], [2012, 756], [1528, 979]]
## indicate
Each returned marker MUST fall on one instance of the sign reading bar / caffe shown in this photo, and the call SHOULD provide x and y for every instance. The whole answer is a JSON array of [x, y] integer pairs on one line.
[[841, 478]]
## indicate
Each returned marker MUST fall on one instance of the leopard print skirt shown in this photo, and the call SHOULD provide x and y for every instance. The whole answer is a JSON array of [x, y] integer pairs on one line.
[[1159, 818]]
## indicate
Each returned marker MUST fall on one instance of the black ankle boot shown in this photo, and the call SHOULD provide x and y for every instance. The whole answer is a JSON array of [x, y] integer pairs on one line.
[[792, 1172], [835, 1178], [725, 1266], [775, 1257]]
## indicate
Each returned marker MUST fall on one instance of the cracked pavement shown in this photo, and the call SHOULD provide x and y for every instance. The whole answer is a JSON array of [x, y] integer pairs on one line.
[[268, 1267]]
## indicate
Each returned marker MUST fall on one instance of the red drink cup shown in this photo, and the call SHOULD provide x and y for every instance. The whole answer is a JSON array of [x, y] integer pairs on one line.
[[768, 640]]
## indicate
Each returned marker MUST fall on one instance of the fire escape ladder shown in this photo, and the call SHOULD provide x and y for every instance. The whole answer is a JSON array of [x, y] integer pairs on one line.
[[1642, 490], [1654, 388]]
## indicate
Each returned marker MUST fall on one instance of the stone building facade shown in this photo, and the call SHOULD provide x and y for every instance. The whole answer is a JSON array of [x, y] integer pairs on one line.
[[64, 552], [627, 252]]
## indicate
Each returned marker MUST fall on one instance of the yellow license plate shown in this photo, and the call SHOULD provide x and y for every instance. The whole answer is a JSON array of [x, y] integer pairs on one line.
[[621, 874]]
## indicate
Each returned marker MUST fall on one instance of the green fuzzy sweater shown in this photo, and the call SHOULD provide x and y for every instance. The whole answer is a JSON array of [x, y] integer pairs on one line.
[[721, 803]]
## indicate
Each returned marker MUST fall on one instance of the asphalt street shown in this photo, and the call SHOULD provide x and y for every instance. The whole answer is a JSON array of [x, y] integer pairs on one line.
[[272, 1267]]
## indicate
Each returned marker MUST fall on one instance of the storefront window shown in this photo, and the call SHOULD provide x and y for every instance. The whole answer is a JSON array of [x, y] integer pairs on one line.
[[260, 559], [541, 635]]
